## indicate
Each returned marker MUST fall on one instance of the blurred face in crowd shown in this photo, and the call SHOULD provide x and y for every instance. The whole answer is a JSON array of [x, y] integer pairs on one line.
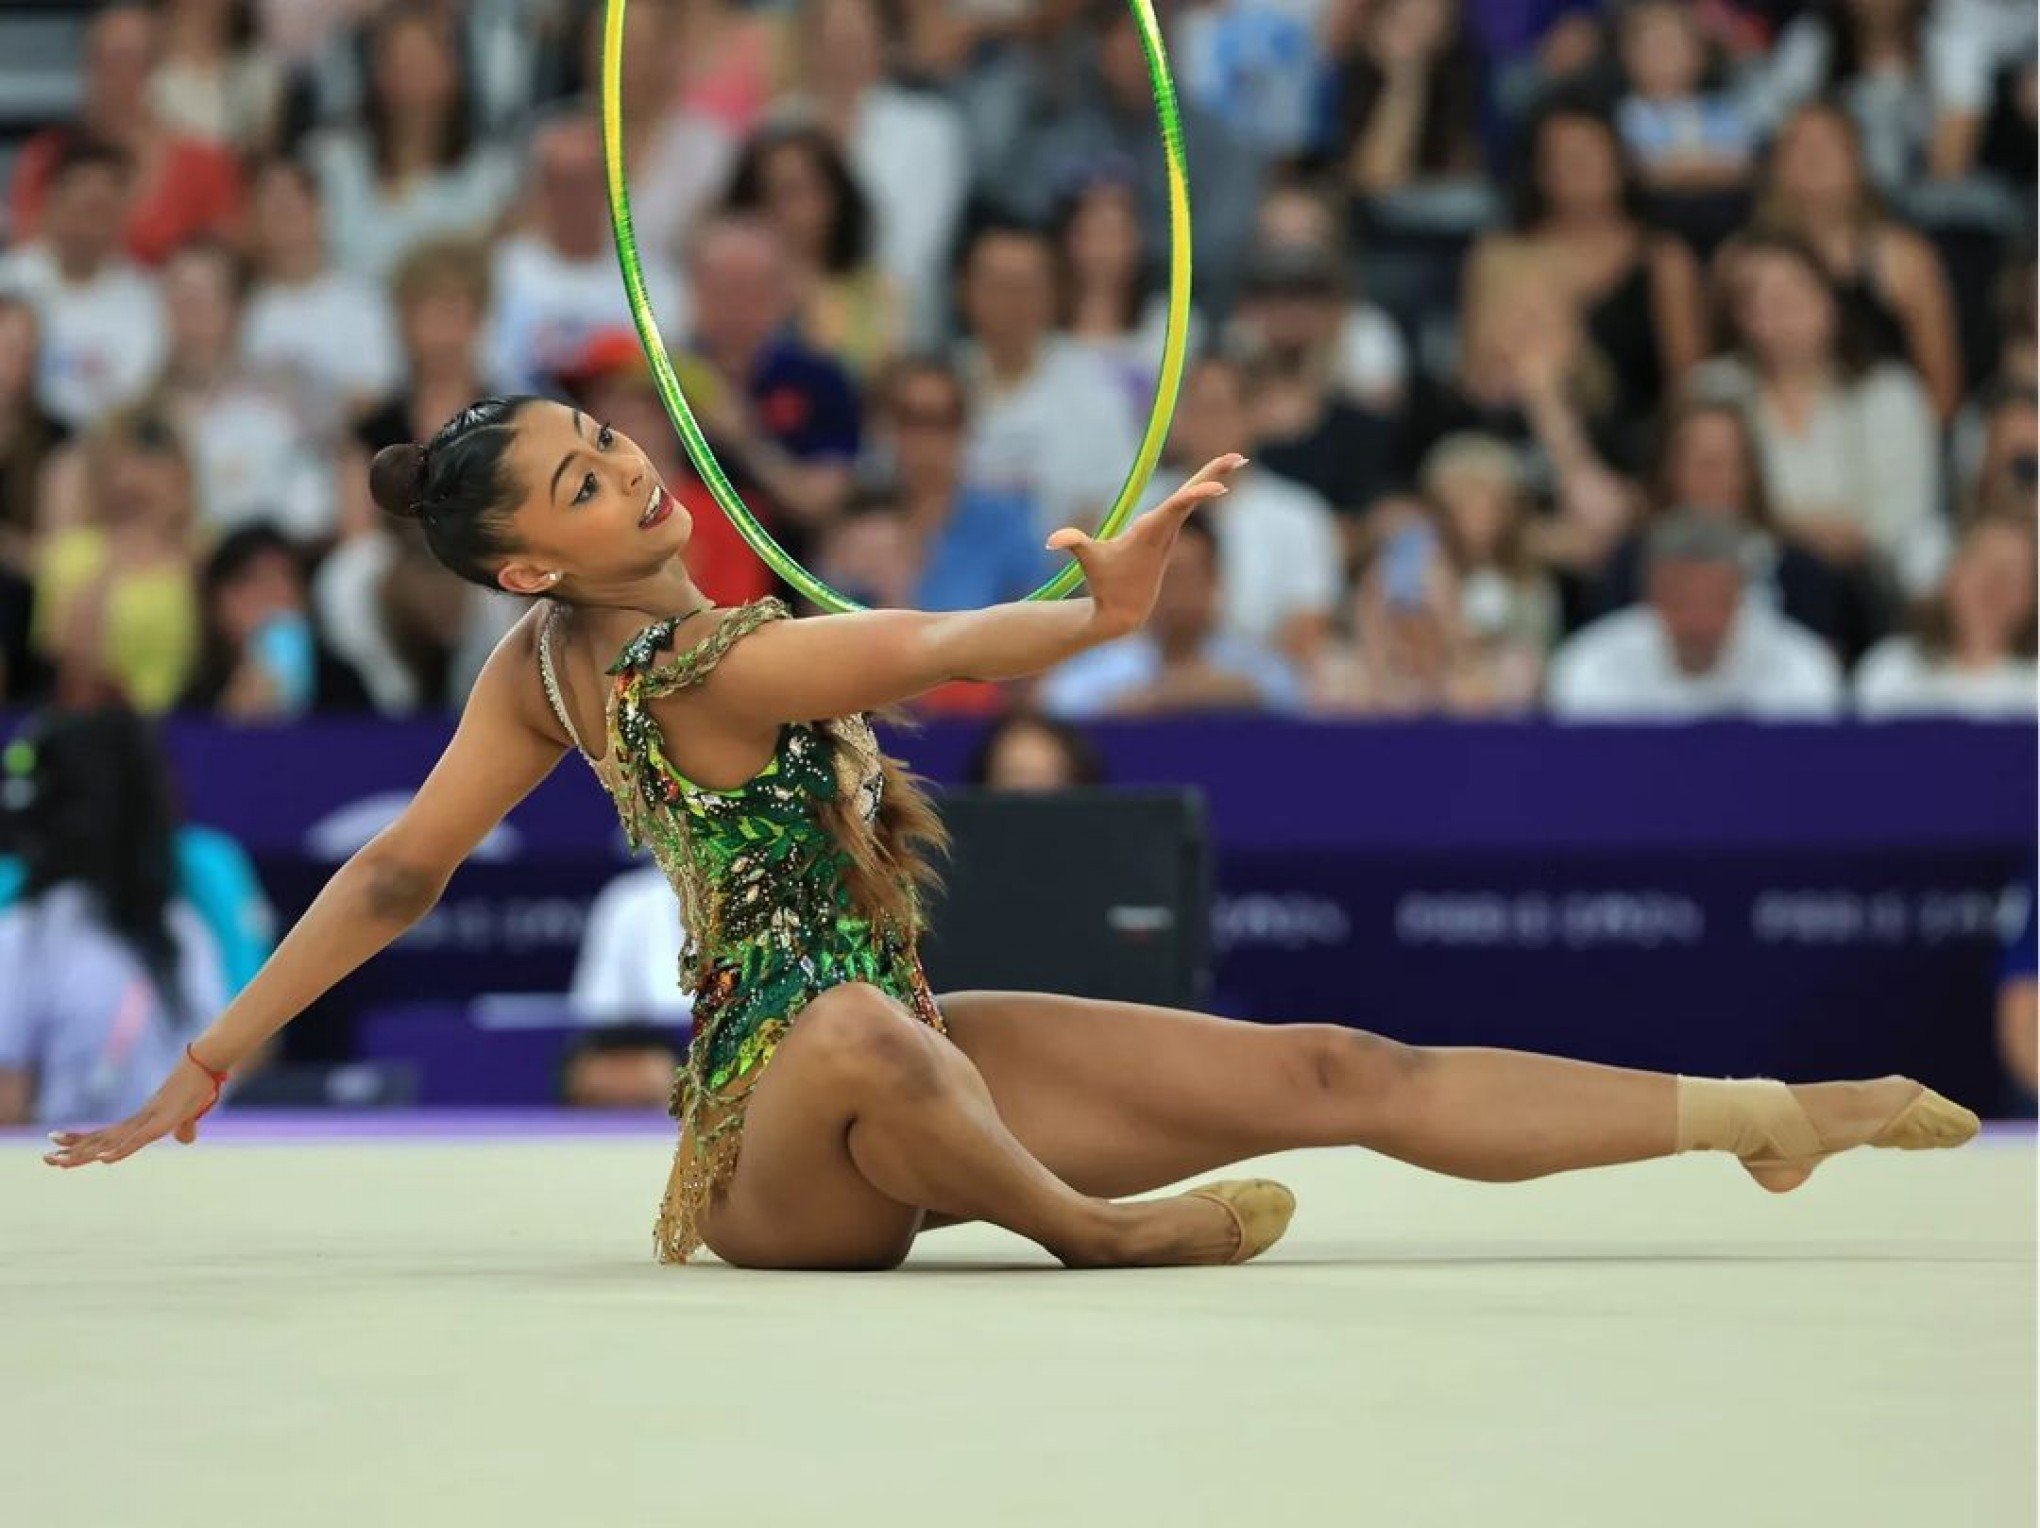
[[1662, 51], [1292, 215], [1785, 310], [1708, 466], [269, 585], [1102, 240], [286, 222], [1481, 505], [845, 47], [20, 340], [120, 53], [1290, 321], [2011, 455], [441, 324], [923, 419], [1578, 167], [83, 216], [1990, 587], [573, 203], [1816, 161], [1211, 416], [1009, 292], [1030, 758], [143, 480], [593, 508], [414, 70], [1186, 605], [743, 289], [1696, 603], [874, 556], [799, 199], [202, 306]]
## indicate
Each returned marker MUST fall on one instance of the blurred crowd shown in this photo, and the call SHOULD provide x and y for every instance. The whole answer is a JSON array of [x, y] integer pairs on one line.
[[1640, 358]]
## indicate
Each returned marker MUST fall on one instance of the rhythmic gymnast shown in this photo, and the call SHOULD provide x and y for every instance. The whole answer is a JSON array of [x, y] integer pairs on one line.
[[867, 1109]]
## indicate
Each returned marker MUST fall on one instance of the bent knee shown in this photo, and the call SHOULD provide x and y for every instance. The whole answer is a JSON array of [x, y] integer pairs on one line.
[[857, 1030], [1354, 1067]]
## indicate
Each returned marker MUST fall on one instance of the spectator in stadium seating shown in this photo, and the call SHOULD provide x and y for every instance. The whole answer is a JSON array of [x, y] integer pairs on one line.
[[629, 962], [1508, 601], [30, 436], [212, 81], [1408, 650], [906, 148], [109, 969], [1577, 201], [1299, 225], [1295, 337], [555, 283], [2003, 480], [1108, 304], [1409, 96], [1698, 646], [115, 602], [1256, 66], [609, 380], [783, 416], [414, 171], [253, 444], [1708, 464], [181, 187], [1914, 88], [1281, 561], [1026, 752], [1528, 376], [1182, 662], [1048, 419], [620, 1066], [328, 330], [1889, 280], [442, 293], [1098, 113], [1971, 651], [677, 146], [1851, 451], [733, 61], [261, 659], [794, 177], [413, 633], [102, 323], [964, 545], [1682, 134]]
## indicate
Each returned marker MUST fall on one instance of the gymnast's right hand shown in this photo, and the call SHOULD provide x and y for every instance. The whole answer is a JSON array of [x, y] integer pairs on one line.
[[187, 1093]]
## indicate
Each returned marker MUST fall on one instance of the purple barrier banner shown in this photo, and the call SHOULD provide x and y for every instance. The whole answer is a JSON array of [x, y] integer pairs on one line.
[[1730, 898]]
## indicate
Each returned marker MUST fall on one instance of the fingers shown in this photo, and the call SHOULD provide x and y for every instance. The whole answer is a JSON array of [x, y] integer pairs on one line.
[[1218, 467], [1070, 539]]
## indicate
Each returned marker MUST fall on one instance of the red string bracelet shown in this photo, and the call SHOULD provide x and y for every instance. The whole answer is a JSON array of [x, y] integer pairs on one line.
[[219, 1080]]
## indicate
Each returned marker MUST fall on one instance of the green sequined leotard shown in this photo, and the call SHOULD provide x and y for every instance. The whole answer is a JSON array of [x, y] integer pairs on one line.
[[763, 892]]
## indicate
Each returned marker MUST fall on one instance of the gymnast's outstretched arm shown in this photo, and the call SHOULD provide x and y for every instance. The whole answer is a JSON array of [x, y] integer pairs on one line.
[[504, 746], [838, 665]]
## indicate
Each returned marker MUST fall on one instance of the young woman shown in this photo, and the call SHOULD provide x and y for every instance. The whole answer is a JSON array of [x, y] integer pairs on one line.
[[868, 1110]]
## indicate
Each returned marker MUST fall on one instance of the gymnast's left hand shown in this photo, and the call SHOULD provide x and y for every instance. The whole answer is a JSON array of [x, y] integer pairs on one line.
[[1125, 572], [186, 1094]]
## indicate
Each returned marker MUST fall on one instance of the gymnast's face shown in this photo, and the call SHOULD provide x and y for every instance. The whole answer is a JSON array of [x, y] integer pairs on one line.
[[594, 509]]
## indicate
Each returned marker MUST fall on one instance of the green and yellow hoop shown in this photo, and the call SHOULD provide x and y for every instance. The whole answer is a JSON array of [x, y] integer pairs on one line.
[[1174, 346]]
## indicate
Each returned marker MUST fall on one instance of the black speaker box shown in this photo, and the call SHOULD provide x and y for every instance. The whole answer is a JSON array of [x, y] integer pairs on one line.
[[1096, 893]]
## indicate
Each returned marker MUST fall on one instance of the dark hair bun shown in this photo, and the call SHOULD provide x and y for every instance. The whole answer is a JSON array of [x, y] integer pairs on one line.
[[396, 480]]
